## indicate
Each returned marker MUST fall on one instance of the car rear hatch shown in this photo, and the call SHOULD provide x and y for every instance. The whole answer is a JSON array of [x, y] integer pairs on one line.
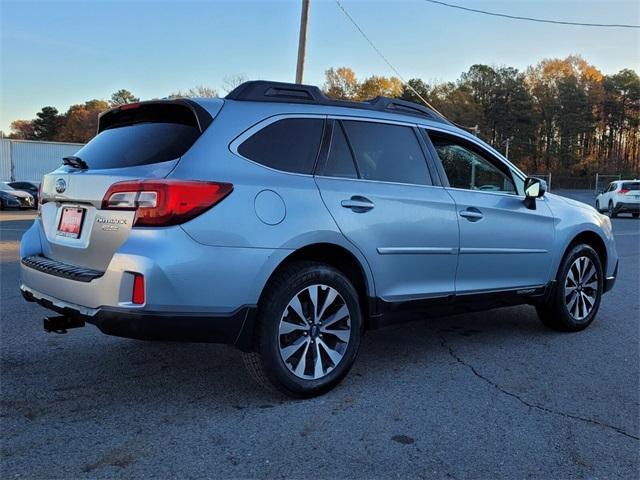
[[135, 142], [630, 192]]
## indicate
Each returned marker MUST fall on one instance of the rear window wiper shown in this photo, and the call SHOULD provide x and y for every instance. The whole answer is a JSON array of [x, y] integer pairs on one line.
[[75, 162]]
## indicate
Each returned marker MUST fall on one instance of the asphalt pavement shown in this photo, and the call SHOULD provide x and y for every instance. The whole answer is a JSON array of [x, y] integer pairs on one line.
[[475, 396]]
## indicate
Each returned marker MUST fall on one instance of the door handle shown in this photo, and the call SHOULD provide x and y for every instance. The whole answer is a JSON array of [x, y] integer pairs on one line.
[[472, 214], [358, 204]]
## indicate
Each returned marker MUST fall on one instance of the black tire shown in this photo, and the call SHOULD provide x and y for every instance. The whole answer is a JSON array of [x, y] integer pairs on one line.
[[612, 212], [598, 206], [265, 364], [1, 205], [555, 313], [635, 215]]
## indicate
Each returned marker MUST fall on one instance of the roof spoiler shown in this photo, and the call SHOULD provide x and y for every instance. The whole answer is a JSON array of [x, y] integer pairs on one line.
[[180, 110], [265, 91]]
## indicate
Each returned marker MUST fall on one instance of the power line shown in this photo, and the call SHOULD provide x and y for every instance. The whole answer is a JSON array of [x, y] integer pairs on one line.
[[381, 55], [395, 70], [530, 19]]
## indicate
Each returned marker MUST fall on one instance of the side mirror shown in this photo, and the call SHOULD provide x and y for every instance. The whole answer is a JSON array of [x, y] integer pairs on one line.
[[533, 188]]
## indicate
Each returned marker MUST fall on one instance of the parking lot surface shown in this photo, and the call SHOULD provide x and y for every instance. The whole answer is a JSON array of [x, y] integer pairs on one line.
[[484, 395]]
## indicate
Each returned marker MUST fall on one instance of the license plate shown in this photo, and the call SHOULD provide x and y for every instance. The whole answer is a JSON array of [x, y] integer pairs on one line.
[[71, 222]]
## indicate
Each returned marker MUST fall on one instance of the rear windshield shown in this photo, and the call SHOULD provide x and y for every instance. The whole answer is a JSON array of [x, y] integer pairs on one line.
[[631, 185], [138, 144]]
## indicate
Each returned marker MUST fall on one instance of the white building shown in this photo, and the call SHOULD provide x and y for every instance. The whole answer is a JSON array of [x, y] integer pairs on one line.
[[30, 160]]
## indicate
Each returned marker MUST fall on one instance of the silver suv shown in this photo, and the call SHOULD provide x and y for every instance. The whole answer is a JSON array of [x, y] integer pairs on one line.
[[288, 224]]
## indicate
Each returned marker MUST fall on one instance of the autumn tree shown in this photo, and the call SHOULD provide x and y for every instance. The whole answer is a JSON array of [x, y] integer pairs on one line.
[[341, 83], [81, 121], [22, 130], [122, 97], [375, 86]]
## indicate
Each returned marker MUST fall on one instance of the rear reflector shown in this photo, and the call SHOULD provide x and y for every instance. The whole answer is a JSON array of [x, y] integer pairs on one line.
[[162, 203], [138, 289]]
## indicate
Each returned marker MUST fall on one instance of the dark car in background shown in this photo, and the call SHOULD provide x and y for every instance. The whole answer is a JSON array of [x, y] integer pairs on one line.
[[29, 187], [12, 198]]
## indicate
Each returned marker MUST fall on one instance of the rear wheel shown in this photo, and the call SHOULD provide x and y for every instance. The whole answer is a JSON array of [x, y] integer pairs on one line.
[[636, 215], [308, 330], [578, 291], [612, 212]]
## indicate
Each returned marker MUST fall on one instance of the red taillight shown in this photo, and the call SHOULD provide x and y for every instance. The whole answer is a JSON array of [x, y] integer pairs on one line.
[[161, 203], [137, 296], [624, 190]]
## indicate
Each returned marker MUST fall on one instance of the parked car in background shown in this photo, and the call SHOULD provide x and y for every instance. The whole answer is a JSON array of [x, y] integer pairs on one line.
[[30, 187], [12, 198], [287, 224], [621, 196]]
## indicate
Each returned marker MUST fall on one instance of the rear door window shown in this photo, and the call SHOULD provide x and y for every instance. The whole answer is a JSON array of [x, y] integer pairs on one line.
[[290, 145], [387, 152]]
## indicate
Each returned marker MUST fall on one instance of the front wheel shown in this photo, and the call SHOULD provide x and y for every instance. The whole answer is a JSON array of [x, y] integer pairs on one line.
[[308, 330], [576, 298], [598, 206]]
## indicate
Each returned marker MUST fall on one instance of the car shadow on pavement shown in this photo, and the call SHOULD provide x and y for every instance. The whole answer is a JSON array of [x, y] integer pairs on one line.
[[104, 370]]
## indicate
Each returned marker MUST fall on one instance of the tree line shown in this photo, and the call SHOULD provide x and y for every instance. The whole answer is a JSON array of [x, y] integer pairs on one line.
[[560, 115]]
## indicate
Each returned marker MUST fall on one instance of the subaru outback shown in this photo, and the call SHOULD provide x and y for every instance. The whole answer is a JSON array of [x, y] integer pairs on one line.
[[288, 224]]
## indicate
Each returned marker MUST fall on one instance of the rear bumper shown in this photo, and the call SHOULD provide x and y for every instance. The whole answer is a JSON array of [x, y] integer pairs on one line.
[[180, 275], [234, 328], [625, 207]]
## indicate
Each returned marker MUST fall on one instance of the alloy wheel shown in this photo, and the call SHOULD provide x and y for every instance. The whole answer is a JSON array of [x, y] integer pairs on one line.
[[581, 288], [314, 332]]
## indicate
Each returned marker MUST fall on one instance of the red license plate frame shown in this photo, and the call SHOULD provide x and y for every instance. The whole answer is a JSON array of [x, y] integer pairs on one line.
[[71, 220]]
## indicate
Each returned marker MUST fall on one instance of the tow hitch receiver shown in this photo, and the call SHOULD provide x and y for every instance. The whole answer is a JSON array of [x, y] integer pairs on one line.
[[61, 324]]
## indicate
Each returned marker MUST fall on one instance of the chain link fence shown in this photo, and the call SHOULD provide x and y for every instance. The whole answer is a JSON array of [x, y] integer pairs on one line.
[[595, 182]]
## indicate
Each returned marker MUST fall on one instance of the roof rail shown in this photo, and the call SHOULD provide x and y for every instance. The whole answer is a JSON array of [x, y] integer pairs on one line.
[[265, 91]]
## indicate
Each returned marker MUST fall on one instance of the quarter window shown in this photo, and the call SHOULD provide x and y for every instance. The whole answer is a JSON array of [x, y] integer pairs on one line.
[[290, 145], [386, 152], [466, 168]]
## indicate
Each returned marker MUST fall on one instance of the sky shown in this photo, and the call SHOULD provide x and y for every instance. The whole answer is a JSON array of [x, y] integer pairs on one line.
[[62, 53]]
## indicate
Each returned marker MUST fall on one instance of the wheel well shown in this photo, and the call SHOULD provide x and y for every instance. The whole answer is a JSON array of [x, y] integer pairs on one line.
[[594, 241], [338, 257]]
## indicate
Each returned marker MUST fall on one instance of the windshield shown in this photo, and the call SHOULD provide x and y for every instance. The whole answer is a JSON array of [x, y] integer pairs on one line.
[[138, 144], [6, 186]]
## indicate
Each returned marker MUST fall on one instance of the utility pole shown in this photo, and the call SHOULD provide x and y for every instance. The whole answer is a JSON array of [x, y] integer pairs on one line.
[[302, 41], [506, 150]]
